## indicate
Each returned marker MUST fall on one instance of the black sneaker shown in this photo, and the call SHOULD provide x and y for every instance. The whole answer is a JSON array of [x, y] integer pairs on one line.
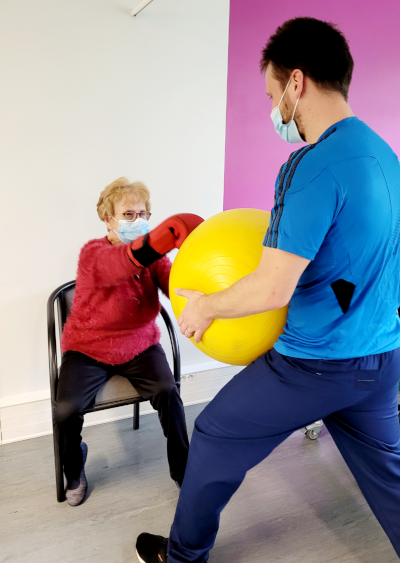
[[151, 548]]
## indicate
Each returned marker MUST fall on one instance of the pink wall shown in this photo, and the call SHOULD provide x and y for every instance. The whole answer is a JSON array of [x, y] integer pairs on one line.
[[254, 152]]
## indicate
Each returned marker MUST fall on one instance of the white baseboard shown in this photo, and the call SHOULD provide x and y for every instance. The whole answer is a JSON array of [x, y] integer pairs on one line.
[[28, 415]]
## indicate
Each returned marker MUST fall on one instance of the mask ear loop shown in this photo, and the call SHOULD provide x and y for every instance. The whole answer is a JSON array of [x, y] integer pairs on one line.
[[287, 86], [294, 111], [118, 228], [273, 112], [295, 107]]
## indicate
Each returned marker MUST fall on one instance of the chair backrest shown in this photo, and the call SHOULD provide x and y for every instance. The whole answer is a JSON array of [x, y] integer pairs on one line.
[[68, 299], [63, 298], [64, 304]]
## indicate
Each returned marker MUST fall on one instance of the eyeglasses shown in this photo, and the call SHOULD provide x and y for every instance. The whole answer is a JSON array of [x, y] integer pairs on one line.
[[132, 215]]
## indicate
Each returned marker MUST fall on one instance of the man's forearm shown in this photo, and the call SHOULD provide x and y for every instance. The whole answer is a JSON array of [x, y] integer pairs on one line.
[[248, 296]]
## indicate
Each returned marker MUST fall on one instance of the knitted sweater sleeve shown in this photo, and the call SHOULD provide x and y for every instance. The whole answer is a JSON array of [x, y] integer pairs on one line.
[[160, 270], [103, 265]]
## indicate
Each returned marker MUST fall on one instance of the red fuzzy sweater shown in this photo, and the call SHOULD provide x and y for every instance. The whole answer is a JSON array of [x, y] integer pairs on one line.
[[115, 304]]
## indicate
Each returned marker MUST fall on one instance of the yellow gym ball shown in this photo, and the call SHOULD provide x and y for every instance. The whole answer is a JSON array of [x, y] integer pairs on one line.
[[216, 254]]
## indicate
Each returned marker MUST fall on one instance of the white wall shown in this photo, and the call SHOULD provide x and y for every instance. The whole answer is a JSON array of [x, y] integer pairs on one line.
[[89, 94]]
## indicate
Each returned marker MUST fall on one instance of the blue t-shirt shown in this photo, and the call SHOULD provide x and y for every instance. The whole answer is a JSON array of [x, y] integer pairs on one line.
[[337, 203]]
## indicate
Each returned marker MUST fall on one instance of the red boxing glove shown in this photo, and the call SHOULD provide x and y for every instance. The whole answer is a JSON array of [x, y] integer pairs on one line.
[[146, 249]]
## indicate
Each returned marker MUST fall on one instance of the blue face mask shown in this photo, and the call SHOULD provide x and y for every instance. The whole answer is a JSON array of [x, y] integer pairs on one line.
[[288, 131], [131, 230]]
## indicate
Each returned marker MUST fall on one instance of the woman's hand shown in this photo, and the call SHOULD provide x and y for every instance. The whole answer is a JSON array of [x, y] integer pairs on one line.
[[194, 319]]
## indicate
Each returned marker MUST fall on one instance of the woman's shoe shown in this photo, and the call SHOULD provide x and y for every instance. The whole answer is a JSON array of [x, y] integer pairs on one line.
[[76, 496]]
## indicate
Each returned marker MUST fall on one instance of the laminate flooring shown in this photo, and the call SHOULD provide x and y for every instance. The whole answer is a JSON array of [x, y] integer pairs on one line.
[[300, 505]]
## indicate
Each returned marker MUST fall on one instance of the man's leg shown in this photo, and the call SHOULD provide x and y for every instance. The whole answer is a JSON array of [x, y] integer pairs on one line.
[[79, 381], [368, 437], [250, 416], [151, 375]]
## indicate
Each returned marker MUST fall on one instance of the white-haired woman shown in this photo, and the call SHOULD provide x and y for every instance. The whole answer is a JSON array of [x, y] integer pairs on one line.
[[112, 328]]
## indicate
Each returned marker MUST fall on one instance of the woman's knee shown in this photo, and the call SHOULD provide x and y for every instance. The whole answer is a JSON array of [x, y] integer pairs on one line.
[[165, 394], [64, 411], [166, 387]]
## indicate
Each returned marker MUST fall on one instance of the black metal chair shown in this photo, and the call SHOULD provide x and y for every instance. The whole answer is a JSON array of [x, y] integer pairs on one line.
[[117, 391]]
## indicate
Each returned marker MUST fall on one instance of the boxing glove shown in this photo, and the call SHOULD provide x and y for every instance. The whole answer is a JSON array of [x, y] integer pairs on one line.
[[146, 249]]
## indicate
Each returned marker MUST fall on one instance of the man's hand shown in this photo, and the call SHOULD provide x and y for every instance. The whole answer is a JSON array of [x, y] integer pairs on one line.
[[193, 320]]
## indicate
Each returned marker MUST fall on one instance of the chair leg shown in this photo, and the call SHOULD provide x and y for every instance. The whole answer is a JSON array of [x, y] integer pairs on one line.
[[58, 465], [136, 409]]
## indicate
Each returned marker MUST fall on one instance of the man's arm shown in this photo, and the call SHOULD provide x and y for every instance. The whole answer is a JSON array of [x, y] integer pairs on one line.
[[269, 287]]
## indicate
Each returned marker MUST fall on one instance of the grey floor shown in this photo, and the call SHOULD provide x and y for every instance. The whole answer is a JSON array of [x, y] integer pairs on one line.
[[300, 505]]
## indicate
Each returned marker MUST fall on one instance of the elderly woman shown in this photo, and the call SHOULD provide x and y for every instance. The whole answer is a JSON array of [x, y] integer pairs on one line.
[[112, 328]]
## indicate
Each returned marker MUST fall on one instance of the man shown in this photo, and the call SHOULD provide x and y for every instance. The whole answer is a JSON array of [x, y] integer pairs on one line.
[[331, 249]]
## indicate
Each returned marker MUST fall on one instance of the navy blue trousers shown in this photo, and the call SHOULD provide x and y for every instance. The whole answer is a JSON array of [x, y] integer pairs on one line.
[[261, 407]]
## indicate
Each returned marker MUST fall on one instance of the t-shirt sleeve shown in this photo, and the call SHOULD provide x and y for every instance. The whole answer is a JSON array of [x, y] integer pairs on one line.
[[302, 217]]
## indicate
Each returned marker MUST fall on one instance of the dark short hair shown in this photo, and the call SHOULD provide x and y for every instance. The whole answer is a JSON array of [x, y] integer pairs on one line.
[[315, 47]]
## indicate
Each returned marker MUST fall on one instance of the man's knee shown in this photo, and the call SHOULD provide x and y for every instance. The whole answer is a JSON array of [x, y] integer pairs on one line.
[[202, 422], [216, 420]]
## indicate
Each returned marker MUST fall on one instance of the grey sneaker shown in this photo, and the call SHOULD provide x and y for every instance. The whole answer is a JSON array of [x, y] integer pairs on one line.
[[76, 496]]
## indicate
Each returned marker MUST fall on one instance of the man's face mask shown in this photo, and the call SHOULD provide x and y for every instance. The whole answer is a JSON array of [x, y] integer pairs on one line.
[[287, 131]]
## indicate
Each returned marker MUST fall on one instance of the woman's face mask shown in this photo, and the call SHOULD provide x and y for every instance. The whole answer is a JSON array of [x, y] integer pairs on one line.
[[131, 230]]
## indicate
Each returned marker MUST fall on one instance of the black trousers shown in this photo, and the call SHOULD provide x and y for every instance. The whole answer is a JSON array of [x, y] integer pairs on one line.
[[81, 378]]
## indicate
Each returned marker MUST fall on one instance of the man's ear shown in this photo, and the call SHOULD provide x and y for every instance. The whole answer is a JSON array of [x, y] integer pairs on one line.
[[298, 79]]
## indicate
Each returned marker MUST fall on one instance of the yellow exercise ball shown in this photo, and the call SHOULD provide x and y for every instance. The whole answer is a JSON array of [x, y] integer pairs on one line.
[[219, 252]]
